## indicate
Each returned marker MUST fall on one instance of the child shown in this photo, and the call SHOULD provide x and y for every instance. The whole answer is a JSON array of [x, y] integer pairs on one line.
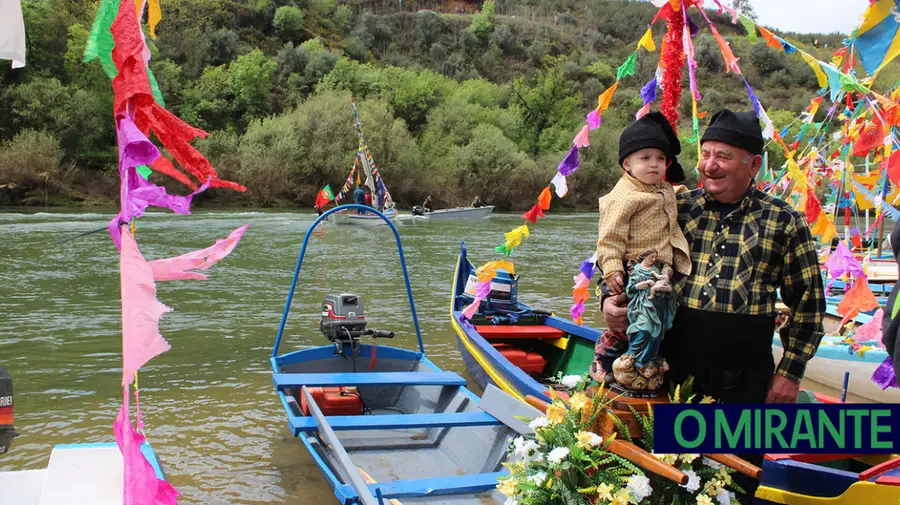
[[640, 214]]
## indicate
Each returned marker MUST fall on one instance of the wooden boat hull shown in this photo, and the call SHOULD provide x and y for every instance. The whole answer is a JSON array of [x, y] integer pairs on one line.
[[77, 474], [427, 439], [352, 218], [831, 361], [458, 213], [568, 348], [798, 480]]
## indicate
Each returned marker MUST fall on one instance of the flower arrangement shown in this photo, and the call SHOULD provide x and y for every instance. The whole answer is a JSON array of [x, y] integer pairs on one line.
[[565, 463]]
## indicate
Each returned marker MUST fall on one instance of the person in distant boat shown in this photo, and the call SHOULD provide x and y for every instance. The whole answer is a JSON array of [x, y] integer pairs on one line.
[[426, 205], [359, 197], [478, 203]]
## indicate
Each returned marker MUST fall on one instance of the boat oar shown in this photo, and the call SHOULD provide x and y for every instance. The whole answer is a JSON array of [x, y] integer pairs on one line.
[[369, 480], [98, 230], [629, 451]]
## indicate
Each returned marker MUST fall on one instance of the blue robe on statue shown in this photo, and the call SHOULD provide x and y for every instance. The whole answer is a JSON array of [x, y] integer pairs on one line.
[[648, 318]]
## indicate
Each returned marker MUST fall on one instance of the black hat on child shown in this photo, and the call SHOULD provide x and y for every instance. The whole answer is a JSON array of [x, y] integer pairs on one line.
[[738, 129], [653, 130]]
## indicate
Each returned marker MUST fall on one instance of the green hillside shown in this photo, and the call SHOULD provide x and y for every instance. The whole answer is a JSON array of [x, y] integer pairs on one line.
[[453, 104]]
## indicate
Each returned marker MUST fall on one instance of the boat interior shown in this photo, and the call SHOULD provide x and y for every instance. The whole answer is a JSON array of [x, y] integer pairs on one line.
[[410, 430]]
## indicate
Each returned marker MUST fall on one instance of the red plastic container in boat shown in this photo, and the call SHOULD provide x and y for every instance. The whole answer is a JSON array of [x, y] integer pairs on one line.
[[334, 401], [530, 362]]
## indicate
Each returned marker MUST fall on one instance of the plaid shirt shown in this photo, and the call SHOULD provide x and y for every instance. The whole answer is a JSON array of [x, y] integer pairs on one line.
[[741, 261]]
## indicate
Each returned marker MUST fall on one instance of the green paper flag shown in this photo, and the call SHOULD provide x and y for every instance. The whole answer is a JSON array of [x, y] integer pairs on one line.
[[100, 43], [154, 87], [627, 68], [751, 29], [503, 250], [144, 171]]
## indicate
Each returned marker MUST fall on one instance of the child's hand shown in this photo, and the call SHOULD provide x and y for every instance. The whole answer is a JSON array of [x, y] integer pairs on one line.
[[616, 283]]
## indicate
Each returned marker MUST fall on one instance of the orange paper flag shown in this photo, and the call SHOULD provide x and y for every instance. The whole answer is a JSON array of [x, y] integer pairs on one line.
[[858, 298], [770, 38], [544, 199], [606, 98]]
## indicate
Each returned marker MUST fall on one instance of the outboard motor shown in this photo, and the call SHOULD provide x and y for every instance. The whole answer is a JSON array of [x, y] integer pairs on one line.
[[418, 210], [344, 322], [7, 430]]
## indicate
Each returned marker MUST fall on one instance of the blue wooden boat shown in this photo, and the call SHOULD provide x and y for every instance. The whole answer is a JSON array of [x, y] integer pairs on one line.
[[513, 346], [420, 437]]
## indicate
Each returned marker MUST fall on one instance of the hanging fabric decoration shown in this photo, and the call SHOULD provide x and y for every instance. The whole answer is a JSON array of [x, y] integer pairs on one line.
[[858, 299], [583, 137], [483, 276], [647, 41], [627, 68], [12, 33], [750, 26], [673, 62], [771, 39], [533, 214], [559, 182], [513, 240], [569, 164], [544, 199], [816, 68]]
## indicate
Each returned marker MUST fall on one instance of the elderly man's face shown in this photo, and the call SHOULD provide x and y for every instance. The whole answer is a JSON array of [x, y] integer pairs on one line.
[[726, 171]]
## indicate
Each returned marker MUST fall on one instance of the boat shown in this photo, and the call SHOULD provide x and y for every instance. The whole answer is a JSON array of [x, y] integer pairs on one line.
[[384, 423], [828, 479], [365, 171], [512, 346], [77, 474], [835, 357], [455, 213]]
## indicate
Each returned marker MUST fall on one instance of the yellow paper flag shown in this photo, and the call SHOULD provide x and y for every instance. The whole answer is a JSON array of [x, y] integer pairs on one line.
[[154, 15], [606, 98], [824, 228], [797, 176], [647, 41], [814, 64], [489, 270]]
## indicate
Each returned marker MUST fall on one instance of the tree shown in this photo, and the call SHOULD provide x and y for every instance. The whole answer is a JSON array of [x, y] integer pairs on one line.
[[483, 22], [288, 22], [744, 7]]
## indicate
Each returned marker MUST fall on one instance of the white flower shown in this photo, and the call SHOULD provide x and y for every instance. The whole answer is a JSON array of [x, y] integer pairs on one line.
[[570, 381], [539, 422], [725, 498], [539, 478], [639, 486], [511, 500], [693, 483], [710, 463], [558, 454]]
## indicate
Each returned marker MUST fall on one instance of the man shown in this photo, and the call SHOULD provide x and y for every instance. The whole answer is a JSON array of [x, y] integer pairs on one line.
[[745, 245], [426, 205], [359, 197], [477, 203]]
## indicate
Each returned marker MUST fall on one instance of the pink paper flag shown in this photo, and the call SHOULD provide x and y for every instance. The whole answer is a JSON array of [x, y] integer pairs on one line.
[[469, 311], [141, 486], [642, 111], [141, 311], [582, 140], [178, 268], [581, 281], [594, 120], [870, 330]]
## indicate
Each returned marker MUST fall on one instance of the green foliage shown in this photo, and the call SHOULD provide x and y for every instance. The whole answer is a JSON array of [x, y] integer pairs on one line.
[[288, 22], [483, 22], [231, 96], [30, 167]]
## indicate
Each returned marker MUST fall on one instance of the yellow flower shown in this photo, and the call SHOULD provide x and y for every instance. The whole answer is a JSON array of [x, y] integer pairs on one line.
[[689, 458], [622, 497], [667, 458], [556, 414], [724, 476], [604, 491], [588, 440], [708, 399], [579, 401], [702, 499], [507, 486]]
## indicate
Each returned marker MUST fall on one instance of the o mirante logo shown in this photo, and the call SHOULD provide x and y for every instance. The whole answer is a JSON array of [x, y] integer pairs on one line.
[[774, 429]]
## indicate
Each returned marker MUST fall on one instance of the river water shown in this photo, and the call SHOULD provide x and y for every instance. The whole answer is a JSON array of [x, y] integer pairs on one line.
[[209, 406]]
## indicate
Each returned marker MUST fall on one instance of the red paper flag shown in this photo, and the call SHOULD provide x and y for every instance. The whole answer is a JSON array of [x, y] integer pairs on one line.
[[813, 207], [870, 138], [533, 214], [858, 298]]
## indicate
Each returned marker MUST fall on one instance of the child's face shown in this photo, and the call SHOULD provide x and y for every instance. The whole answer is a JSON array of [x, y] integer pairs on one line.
[[647, 165]]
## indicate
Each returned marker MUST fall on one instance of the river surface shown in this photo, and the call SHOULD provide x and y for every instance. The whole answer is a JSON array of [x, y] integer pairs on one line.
[[210, 409]]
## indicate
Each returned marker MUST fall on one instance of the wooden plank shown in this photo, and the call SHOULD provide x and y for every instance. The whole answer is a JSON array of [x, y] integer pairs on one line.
[[287, 380], [356, 479], [455, 484], [489, 331], [506, 408], [396, 421], [880, 469]]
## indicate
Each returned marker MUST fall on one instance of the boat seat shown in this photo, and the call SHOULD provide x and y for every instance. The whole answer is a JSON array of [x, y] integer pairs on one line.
[[541, 331], [300, 424], [433, 486], [296, 380]]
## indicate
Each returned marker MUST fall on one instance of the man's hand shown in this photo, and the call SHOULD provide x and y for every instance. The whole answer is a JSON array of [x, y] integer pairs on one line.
[[616, 283], [616, 313], [782, 390]]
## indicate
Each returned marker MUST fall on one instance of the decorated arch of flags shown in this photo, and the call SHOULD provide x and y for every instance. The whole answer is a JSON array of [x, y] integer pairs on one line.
[[859, 122], [118, 42]]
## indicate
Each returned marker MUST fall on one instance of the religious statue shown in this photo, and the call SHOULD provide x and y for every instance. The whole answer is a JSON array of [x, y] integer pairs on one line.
[[651, 310]]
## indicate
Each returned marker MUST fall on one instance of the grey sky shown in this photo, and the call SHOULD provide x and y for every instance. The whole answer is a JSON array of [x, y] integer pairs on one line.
[[807, 16]]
